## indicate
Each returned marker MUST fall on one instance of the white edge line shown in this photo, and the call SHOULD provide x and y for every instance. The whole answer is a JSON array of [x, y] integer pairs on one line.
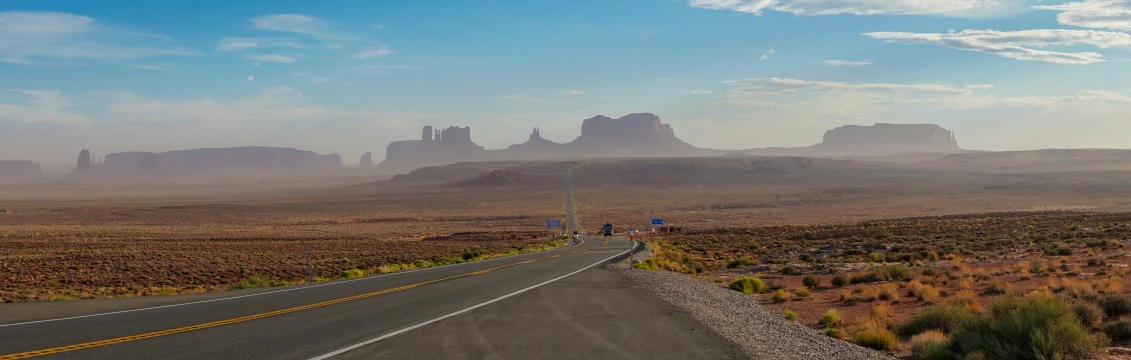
[[417, 326], [300, 287]]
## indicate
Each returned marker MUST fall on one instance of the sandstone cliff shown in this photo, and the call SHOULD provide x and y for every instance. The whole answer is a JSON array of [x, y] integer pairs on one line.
[[639, 134], [434, 148], [877, 139], [366, 160], [217, 161], [19, 170], [889, 138]]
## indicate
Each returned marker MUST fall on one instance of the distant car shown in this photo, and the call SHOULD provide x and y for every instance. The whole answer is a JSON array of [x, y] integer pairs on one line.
[[632, 231]]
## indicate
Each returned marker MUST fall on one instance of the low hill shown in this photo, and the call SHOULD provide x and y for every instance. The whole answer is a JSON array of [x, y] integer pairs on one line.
[[1045, 160], [634, 171]]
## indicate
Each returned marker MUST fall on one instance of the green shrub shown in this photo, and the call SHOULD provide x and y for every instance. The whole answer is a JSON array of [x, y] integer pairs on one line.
[[811, 281], [353, 273], [469, 255], [1118, 330], [829, 319], [790, 315], [1088, 315], [938, 317], [647, 264], [748, 285], [1115, 305], [257, 282], [886, 273], [781, 296], [875, 337], [929, 345], [1073, 227], [802, 292], [740, 263], [834, 333], [788, 270], [840, 280], [1017, 328], [928, 272]]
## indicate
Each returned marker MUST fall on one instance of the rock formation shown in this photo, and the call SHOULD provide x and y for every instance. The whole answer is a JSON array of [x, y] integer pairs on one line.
[[84, 167], [535, 146], [218, 161], [434, 148], [639, 134], [645, 135], [366, 160], [878, 139], [883, 138], [19, 170]]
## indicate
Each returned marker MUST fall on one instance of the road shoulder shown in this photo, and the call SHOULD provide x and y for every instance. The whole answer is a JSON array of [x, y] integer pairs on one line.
[[759, 332]]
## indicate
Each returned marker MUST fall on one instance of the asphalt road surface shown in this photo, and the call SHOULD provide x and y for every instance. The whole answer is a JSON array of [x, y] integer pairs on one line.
[[432, 313]]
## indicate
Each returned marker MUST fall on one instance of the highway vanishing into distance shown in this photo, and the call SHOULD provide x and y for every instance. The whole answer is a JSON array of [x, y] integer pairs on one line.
[[561, 303]]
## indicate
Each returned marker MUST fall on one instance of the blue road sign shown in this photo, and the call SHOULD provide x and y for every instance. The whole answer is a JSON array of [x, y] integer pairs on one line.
[[553, 224], [657, 221]]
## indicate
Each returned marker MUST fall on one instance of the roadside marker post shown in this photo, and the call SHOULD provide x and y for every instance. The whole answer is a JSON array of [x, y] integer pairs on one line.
[[309, 270]]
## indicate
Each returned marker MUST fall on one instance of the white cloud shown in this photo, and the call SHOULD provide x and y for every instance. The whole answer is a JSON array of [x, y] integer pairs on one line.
[[389, 67], [696, 92], [295, 23], [525, 99], [1100, 14], [855, 7], [250, 78], [380, 51], [41, 107], [35, 37], [569, 93], [865, 99], [1017, 44], [275, 58], [785, 92], [236, 44], [845, 63], [766, 55]]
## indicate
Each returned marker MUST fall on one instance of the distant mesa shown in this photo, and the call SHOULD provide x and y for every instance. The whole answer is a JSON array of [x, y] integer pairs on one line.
[[435, 147], [640, 134], [207, 162], [19, 170], [878, 139], [889, 138], [366, 160]]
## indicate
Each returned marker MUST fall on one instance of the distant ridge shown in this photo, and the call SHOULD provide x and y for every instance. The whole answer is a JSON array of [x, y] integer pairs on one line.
[[645, 135], [206, 162], [638, 134]]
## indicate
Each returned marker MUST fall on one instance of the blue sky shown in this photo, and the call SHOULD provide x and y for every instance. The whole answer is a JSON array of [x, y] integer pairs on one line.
[[350, 76]]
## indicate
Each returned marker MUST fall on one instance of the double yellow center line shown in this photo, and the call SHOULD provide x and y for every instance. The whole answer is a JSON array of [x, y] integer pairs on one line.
[[63, 349]]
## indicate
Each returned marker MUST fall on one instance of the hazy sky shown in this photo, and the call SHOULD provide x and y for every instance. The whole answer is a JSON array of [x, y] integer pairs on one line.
[[350, 76]]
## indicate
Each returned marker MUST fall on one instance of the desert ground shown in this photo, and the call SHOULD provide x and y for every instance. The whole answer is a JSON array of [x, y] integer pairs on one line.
[[904, 240]]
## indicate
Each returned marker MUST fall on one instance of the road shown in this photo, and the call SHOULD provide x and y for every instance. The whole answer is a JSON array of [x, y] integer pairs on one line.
[[353, 318]]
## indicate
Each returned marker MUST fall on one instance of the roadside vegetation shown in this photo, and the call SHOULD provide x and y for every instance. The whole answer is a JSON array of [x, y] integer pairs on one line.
[[992, 286], [210, 275]]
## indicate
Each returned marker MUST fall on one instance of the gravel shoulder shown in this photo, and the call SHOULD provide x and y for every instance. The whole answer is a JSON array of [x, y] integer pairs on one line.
[[760, 333]]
